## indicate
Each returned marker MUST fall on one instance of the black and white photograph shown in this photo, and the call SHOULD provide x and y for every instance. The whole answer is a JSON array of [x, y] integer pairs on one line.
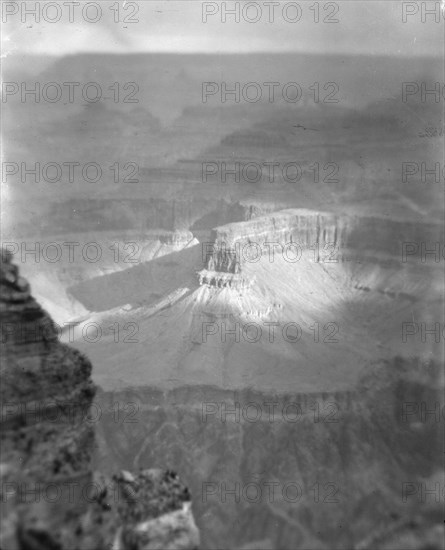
[[222, 273]]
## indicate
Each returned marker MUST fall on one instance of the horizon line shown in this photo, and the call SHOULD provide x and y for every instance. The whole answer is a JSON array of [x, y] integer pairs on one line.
[[224, 53]]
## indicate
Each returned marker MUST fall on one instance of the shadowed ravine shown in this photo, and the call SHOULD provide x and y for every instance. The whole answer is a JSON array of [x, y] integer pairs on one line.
[[345, 457]]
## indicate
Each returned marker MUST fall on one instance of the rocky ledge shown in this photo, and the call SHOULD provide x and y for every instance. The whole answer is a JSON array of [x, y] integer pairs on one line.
[[50, 497], [222, 279], [322, 236]]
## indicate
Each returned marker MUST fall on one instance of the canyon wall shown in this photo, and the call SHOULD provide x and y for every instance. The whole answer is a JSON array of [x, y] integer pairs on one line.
[[50, 495], [349, 452], [329, 237], [358, 236]]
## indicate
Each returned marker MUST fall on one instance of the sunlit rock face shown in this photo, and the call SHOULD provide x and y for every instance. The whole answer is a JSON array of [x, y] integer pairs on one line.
[[51, 497], [295, 235], [222, 279], [346, 237]]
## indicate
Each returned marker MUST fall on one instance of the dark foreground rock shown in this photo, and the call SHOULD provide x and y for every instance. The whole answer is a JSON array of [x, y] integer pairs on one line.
[[50, 497]]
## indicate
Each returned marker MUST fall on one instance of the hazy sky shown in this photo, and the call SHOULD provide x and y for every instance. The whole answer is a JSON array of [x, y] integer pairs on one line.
[[369, 27]]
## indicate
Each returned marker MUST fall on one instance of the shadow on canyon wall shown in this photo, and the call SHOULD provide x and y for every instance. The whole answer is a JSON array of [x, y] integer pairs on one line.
[[354, 461]]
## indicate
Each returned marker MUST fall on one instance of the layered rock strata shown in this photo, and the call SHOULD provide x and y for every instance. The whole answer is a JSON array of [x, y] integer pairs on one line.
[[380, 443], [321, 236], [50, 496]]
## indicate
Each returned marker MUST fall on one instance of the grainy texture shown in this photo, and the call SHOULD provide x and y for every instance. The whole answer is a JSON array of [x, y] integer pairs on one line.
[[51, 498]]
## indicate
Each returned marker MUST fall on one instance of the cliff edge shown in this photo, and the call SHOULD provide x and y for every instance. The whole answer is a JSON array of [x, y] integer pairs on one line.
[[50, 496], [325, 237]]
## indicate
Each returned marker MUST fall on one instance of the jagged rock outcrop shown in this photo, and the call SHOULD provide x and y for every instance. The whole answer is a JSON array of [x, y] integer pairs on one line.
[[224, 280], [50, 496]]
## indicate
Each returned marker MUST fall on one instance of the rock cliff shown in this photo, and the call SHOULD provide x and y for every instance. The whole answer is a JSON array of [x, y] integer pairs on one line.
[[297, 234], [360, 448], [50, 495]]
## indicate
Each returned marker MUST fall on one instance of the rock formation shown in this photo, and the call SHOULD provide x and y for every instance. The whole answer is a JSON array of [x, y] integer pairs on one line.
[[223, 279], [324, 237], [50, 496], [371, 442]]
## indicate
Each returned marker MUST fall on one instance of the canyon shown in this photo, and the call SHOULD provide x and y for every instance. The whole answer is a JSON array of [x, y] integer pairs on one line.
[[276, 341], [288, 377], [182, 294]]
